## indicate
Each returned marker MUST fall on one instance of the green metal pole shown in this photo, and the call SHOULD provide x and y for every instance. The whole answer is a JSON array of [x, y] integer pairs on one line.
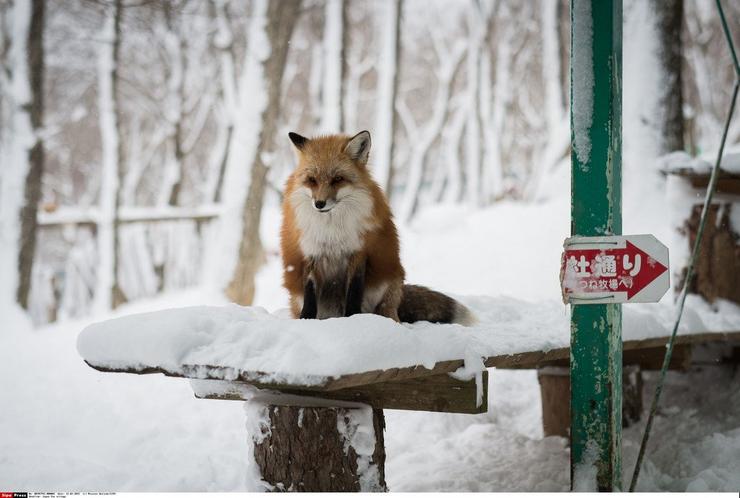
[[596, 198]]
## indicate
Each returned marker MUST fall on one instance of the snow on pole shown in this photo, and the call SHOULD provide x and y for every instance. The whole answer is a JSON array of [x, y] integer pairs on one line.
[[582, 79], [250, 101], [17, 140], [331, 98]]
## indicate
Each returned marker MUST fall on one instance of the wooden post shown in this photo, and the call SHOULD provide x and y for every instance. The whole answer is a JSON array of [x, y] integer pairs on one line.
[[555, 392], [596, 329], [631, 395], [298, 446]]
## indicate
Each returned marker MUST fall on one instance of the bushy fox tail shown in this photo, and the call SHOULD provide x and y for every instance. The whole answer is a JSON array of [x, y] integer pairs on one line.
[[420, 303]]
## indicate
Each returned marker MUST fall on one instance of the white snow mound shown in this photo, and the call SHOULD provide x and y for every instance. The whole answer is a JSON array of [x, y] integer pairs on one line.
[[237, 339]]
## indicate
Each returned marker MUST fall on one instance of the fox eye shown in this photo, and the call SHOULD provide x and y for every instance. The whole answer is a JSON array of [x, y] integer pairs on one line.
[[311, 180], [337, 179]]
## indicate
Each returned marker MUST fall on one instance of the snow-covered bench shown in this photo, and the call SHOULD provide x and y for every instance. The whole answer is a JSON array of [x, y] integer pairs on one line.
[[328, 380]]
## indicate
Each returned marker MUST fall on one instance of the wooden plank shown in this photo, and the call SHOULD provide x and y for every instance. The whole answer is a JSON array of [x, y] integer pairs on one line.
[[437, 393], [646, 358], [727, 183], [525, 360]]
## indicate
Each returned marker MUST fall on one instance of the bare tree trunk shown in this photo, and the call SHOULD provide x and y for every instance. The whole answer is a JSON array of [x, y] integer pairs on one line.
[[668, 18], [281, 19], [222, 42], [174, 112], [388, 79], [108, 294], [331, 91], [17, 139], [35, 49], [557, 137], [563, 13], [476, 26], [422, 142], [344, 69]]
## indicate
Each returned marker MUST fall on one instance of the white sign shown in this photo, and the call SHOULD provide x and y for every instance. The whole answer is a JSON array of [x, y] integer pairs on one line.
[[615, 269]]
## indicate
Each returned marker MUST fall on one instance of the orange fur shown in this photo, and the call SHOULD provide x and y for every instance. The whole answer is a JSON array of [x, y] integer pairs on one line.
[[325, 159]]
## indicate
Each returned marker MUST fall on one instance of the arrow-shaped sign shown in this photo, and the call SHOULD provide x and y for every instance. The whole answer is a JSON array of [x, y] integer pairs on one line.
[[614, 269]]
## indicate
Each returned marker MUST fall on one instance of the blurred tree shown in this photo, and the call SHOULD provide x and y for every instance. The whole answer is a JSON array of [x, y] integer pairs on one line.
[[278, 27], [35, 49], [175, 101], [669, 19], [21, 142], [333, 67], [108, 293], [388, 78]]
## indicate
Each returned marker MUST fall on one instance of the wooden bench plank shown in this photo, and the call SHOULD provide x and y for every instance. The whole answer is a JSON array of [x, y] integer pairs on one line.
[[437, 393], [647, 353]]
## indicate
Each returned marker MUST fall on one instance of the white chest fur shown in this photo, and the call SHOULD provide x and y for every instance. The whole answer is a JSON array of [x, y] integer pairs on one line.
[[338, 232]]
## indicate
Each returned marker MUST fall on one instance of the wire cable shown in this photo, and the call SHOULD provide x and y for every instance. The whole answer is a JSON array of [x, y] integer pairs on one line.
[[694, 254]]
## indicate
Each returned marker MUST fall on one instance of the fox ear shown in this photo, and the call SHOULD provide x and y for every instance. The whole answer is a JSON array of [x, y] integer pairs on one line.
[[298, 140], [358, 147]]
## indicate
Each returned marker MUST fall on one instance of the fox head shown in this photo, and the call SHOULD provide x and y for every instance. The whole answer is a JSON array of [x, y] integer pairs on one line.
[[331, 168]]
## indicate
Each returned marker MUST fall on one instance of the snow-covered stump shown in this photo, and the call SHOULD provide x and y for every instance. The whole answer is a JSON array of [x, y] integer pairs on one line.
[[303, 447]]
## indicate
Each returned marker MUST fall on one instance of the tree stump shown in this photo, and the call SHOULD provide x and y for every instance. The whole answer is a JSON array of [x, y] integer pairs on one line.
[[555, 391], [317, 448]]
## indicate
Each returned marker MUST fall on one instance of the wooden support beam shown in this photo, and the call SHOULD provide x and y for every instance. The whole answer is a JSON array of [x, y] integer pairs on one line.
[[727, 182], [438, 393]]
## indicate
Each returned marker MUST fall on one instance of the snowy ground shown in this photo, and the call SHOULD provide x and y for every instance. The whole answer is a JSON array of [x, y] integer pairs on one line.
[[68, 427]]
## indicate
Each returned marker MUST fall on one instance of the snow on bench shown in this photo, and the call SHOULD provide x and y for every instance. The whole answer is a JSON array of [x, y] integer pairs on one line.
[[251, 345]]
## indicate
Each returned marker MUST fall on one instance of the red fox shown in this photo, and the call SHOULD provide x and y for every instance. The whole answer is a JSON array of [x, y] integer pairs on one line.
[[340, 247]]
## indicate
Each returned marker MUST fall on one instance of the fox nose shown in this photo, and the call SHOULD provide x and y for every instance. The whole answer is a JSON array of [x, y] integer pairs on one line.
[[319, 204]]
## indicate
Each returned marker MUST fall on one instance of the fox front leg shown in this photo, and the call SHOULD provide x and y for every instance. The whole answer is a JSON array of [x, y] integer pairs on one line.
[[355, 291], [310, 305]]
